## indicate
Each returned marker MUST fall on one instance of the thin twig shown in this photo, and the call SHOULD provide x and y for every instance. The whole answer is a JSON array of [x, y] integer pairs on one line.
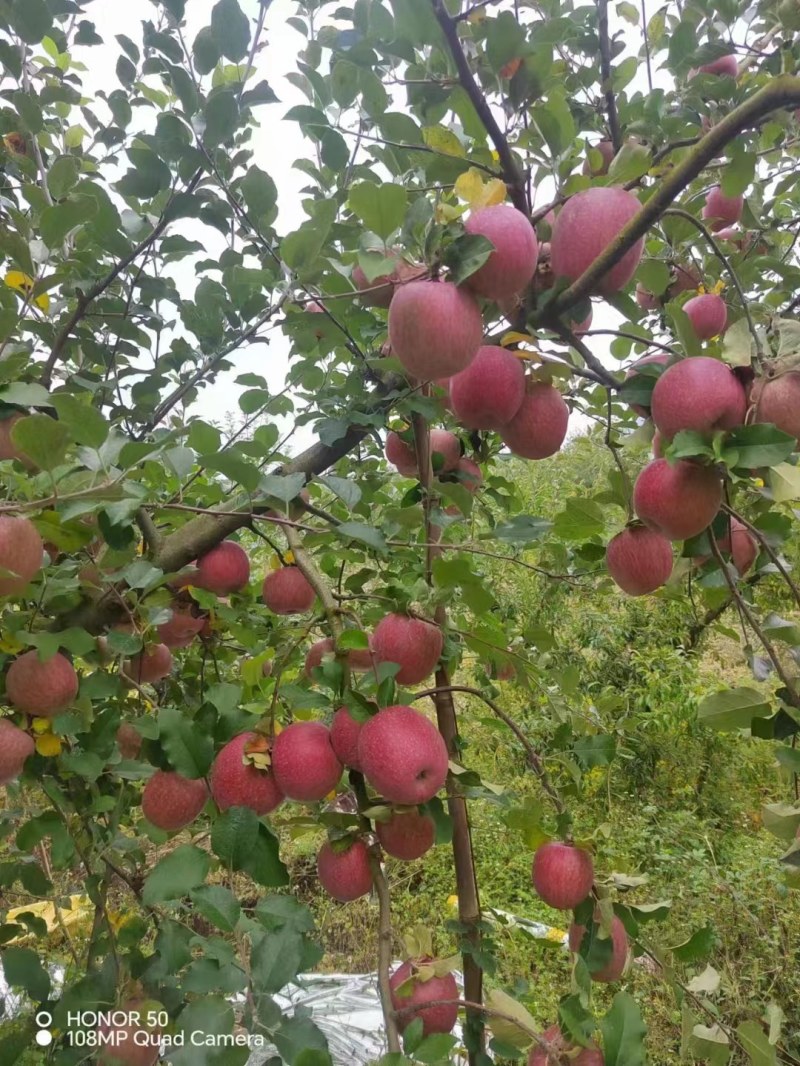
[[753, 622], [647, 46], [99, 287], [606, 75], [511, 172], [605, 377], [534, 759], [780, 92], [680, 213], [762, 540]]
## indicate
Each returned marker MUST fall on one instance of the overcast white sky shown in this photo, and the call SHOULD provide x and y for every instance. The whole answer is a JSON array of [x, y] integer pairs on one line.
[[277, 144]]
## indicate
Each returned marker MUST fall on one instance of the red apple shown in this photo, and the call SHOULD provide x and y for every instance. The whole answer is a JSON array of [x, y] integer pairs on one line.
[[490, 391], [708, 315], [562, 874], [435, 328], [777, 400], [677, 501], [539, 427], [615, 967], [586, 225], [722, 210], [511, 265], [639, 560], [700, 394], [441, 992]]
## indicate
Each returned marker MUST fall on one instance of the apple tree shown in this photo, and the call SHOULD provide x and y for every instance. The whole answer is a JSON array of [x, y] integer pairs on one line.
[[516, 221]]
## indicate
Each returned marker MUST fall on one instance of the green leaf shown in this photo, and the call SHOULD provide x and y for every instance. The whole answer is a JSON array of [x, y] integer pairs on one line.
[[581, 518], [346, 489], [783, 480], [302, 248], [555, 122], [781, 819], [205, 51], [218, 904], [505, 40], [190, 750], [622, 74], [25, 394], [43, 439], [15, 1043], [176, 874], [57, 221], [344, 82], [85, 423], [699, 945], [86, 764], [623, 1033], [760, 445], [366, 534], [62, 175], [517, 1035], [231, 29], [739, 173], [241, 842], [756, 1043], [31, 19], [234, 467], [23, 969], [283, 487], [654, 275], [522, 529], [259, 192], [733, 708], [201, 1028], [381, 208], [465, 255], [276, 959], [738, 347], [595, 751], [221, 113], [435, 1048]]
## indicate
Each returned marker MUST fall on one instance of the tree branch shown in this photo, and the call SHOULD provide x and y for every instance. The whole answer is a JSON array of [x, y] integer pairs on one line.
[[680, 213], [87, 298], [469, 906], [511, 172], [782, 91], [533, 757], [605, 74], [150, 534], [762, 540], [605, 377], [745, 610]]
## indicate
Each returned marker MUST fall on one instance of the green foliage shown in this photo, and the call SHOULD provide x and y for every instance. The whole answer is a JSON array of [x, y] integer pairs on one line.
[[144, 252]]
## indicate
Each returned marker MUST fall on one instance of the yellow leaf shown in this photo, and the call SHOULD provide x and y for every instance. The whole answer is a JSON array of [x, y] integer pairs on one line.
[[10, 645], [719, 288], [447, 212], [478, 193], [42, 725], [515, 338], [442, 139], [518, 1032], [15, 279], [452, 903], [49, 745], [275, 562], [23, 283]]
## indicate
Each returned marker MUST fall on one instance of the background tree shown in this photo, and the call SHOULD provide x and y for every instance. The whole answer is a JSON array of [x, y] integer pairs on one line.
[[185, 612]]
